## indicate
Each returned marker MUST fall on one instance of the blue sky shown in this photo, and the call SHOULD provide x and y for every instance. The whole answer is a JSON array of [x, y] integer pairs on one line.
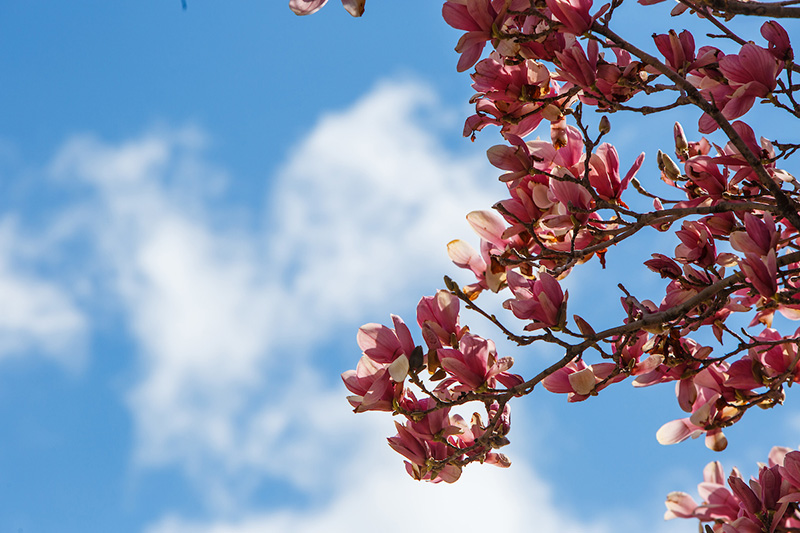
[[197, 211]]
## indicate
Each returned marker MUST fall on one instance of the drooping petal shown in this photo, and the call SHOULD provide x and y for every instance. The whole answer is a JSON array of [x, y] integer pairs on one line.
[[306, 7]]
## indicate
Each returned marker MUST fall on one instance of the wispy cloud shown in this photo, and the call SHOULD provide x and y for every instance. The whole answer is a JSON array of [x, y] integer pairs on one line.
[[38, 315]]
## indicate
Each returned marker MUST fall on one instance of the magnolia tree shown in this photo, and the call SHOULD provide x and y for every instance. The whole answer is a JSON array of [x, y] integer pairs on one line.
[[732, 207]]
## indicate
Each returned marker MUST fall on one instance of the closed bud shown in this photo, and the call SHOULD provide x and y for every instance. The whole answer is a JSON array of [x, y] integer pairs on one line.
[[669, 167], [605, 125], [552, 113], [558, 133], [681, 143]]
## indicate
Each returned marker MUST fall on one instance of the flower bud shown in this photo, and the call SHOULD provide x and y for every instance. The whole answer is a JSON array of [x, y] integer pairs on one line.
[[558, 133], [605, 125], [552, 113], [668, 166], [681, 143]]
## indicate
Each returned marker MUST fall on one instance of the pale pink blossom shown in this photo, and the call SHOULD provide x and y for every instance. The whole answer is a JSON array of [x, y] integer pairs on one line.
[[308, 7], [437, 316], [372, 387]]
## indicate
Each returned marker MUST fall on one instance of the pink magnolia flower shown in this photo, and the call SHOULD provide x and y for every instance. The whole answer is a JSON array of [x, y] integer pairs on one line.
[[540, 300], [490, 226], [418, 450], [489, 273], [475, 364], [508, 96], [385, 345], [572, 14], [515, 159], [759, 238], [372, 387], [579, 67], [575, 198], [719, 503], [761, 272], [579, 380], [763, 148], [664, 266], [778, 359], [308, 7], [778, 39], [437, 316], [697, 244], [477, 18], [790, 469], [604, 172], [750, 74], [678, 50], [703, 171], [707, 397]]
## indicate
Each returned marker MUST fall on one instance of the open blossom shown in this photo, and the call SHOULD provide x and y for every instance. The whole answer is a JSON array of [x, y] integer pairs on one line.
[[604, 172], [737, 81], [703, 171], [719, 503], [579, 380], [475, 364], [372, 386], [385, 345], [762, 505], [572, 14], [540, 300], [761, 364], [418, 450], [760, 235], [308, 7], [579, 67], [697, 244], [437, 316], [477, 18], [678, 50]]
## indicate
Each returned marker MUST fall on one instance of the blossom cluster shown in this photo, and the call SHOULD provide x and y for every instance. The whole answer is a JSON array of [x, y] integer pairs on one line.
[[462, 365], [768, 502], [570, 199]]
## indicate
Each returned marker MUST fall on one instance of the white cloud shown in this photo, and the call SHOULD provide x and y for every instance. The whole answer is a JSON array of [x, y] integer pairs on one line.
[[378, 496], [230, 388], [361, 213], [37, 315], [368, 201]]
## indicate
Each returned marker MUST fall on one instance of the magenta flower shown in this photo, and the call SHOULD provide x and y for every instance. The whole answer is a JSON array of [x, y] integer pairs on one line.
[[372, 387], [578, 67], [572, 14], [476, 17], [437, 316], [697, 244], [778, 39], [579, 380], [540, 300], [704, 172], [604, 172], [678, 50], [759, 237], [475, 364], [664, 266], [418, 449], [385, 345], [753, 73]]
